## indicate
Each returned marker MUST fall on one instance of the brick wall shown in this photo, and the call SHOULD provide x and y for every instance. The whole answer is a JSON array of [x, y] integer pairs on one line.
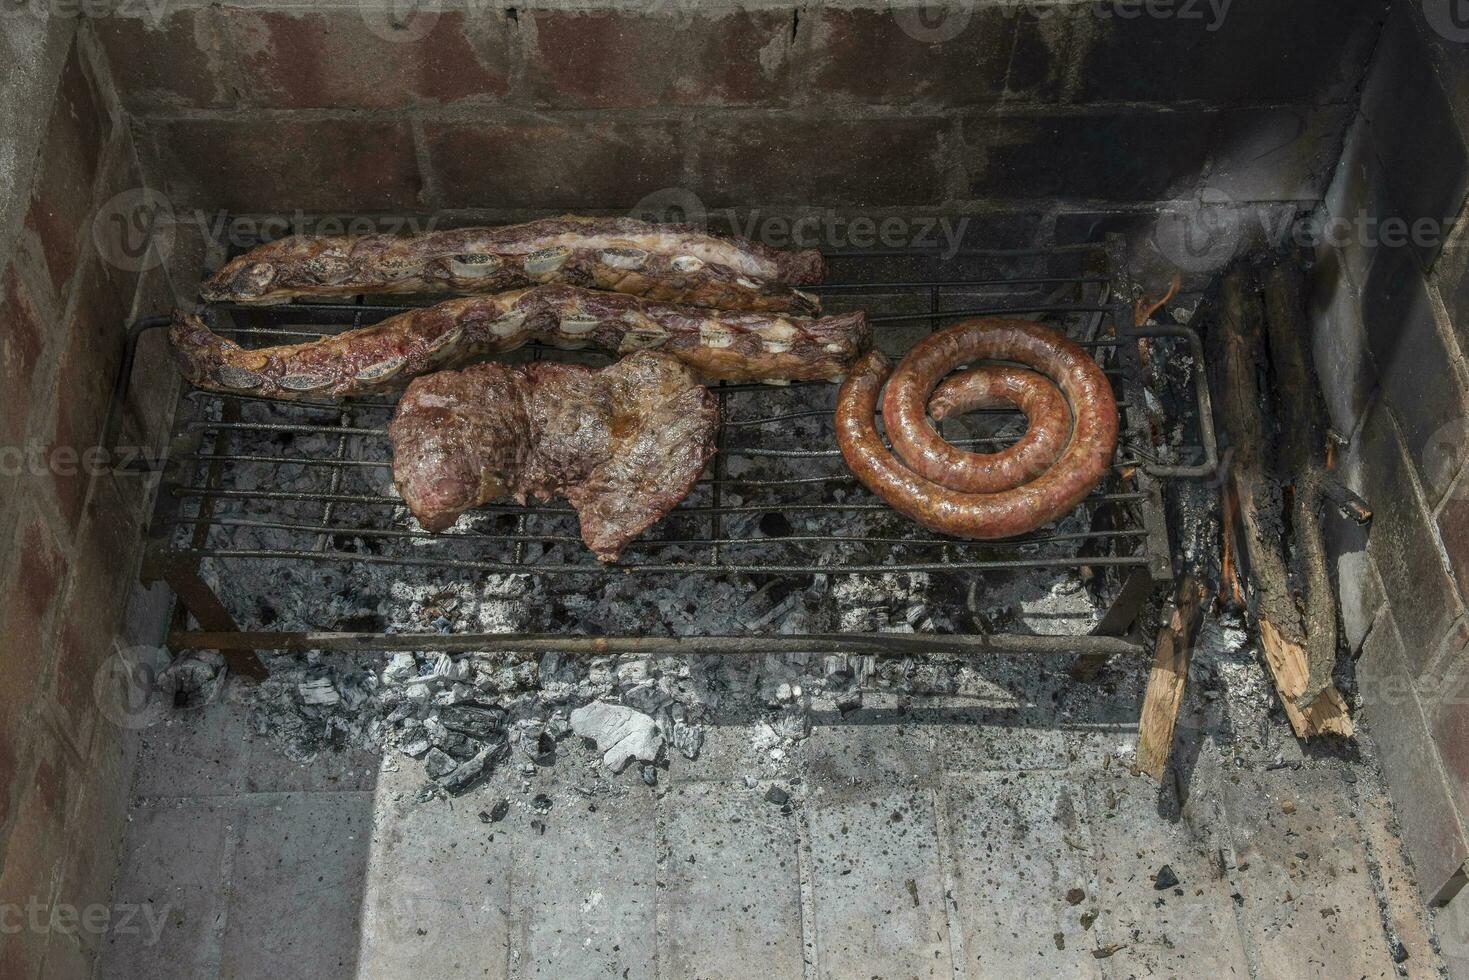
[[1391, 322], [70, 529], [514, 110]]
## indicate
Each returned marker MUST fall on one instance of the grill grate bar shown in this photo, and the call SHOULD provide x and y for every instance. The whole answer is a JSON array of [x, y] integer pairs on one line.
[[371, 532], [679, 568]]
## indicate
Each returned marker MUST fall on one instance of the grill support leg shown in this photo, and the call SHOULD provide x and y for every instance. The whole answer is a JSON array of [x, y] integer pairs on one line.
[[200, 601]]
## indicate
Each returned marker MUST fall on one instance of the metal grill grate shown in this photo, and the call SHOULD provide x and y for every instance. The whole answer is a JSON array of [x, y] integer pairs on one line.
[[311, 481]]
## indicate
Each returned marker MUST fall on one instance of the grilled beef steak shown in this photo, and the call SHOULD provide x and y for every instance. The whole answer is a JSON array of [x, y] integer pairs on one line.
[[671, 263], [623, 444], [717, 345]]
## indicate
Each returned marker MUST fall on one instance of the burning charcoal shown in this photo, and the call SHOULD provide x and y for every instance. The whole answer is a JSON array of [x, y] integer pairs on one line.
[[438, 764], [620, 732], [471, 771], [476, 721]]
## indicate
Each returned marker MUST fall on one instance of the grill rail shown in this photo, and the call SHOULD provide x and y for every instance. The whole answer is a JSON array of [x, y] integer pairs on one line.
[[251, 478]]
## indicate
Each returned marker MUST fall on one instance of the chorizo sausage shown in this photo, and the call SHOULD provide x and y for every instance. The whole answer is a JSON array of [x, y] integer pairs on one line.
[[1047, 415], [922, 492]]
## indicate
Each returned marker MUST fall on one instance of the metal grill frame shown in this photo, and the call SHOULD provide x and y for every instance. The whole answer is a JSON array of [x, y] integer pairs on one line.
[[1147, 568]]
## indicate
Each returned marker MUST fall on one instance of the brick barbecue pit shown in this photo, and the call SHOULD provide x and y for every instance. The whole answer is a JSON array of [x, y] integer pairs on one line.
[[1054, 159]]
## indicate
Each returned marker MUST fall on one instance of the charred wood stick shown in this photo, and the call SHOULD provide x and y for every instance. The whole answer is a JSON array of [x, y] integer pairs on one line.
[[1168, 677], [1304, 458], [1257, 503]]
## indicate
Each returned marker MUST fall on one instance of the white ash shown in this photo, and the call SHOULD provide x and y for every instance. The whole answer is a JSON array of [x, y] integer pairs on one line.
[[414, 705]]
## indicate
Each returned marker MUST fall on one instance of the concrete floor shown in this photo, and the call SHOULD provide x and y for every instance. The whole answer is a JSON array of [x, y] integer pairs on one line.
[[926, 837]]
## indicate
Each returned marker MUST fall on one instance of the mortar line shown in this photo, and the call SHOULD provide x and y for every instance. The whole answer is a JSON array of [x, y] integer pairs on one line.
[[958, 956], [808, 896]]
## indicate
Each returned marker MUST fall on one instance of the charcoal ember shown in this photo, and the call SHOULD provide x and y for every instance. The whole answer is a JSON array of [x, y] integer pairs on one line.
[[688, 738], [472, 770], [401, 667], [416, 748], [439, 764], [474, 720], [646, 697]]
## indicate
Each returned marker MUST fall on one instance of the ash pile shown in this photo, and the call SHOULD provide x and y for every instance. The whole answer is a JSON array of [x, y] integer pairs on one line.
[[460, 716]]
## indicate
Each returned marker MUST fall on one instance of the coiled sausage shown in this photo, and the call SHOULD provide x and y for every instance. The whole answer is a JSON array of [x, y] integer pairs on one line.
[[931, 487]]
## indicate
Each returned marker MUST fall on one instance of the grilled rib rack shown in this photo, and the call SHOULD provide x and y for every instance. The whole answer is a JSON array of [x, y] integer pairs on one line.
[[250, 478]]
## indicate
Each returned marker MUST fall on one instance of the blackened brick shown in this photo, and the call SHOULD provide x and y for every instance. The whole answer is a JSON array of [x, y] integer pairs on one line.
[[1417, 368], [1339, 342], [1425, 162], [1258, 52], [333, 165], [1134, 155], [167, 62], [1276, 154], [348, 59], [947, 56], [1402, 543], [823, 161], [609, 59], [20, 347], [1446, 707], [554, 162], [1390, 709]]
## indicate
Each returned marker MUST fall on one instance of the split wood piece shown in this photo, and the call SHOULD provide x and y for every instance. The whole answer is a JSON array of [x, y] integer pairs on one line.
[[1303, 459], [1167, 679], [1256, 505]]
